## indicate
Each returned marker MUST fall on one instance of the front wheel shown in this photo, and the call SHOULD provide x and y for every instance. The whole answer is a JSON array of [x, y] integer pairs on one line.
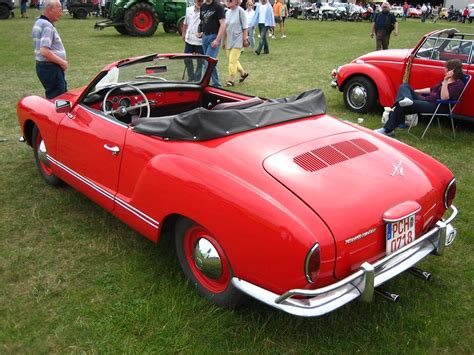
[[205, 264], [41, 158], [170, 27], [360, 94], [121, 29]]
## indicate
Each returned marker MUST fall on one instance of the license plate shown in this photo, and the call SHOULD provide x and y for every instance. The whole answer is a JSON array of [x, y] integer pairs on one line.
[[400, 233]]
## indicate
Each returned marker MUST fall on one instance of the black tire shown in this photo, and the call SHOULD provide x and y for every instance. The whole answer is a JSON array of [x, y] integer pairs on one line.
[[41, 162], [141, 20], [170, 28], [180, 26], [360, 94], [81, 14], [121, 29], [4, 12], [219, 290]]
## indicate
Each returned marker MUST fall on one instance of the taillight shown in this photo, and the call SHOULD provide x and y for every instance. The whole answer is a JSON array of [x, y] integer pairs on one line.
[[312, 263], [450, 193]]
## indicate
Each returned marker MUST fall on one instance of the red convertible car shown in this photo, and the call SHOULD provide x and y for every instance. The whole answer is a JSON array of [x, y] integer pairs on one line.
[[376, 76], [268, 198]]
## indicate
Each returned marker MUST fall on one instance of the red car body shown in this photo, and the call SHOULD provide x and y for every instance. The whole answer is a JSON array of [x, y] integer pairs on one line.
[[414, 12], [376, 76], [293, 213]]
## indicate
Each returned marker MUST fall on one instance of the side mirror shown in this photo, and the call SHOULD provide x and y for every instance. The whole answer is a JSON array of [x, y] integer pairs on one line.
[[63, 106]]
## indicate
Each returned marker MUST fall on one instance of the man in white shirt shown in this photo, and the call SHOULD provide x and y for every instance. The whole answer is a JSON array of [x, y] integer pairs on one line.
[[192, 43]]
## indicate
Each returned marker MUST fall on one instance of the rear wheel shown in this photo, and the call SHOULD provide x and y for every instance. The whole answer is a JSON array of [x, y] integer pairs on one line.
[[141, 20], [205, 264], [81, 14], [180, 26], [359, 94], [4, 12], [170, 27], [41, 160], [121, 29]]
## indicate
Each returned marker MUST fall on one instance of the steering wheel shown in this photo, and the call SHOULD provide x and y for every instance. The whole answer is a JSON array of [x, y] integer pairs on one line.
[[121, 110]]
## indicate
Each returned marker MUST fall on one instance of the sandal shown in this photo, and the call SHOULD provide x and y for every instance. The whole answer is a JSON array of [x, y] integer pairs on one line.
[[229, 83], [243, 77]]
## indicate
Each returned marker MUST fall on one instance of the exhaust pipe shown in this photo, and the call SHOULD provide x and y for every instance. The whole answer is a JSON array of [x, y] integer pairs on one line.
[[387, 295], [425, 275]]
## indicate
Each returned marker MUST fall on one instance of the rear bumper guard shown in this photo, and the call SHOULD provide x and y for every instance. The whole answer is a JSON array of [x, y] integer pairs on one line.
[[360, 285]]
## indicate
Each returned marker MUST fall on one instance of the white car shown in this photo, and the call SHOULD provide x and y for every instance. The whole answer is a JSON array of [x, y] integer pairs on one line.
[[397, 11]]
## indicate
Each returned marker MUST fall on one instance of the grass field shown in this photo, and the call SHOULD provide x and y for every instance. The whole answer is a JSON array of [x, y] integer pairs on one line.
[[75, 279]]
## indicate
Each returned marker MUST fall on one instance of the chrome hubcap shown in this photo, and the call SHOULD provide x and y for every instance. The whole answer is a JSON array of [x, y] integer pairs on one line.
[[43, 154], [207, 259], [358, 96]]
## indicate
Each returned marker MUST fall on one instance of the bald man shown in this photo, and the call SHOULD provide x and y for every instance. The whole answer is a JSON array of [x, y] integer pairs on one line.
[[50, 54]]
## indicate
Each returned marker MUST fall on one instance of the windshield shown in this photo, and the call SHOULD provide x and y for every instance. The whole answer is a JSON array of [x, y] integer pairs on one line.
[[190, 69]]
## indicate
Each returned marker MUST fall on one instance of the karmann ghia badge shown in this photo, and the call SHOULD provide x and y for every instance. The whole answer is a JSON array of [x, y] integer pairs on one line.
[[398, 169]]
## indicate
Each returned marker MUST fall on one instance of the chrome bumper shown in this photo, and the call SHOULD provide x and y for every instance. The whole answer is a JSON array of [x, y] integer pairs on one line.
[[334, 83], [360, 284]]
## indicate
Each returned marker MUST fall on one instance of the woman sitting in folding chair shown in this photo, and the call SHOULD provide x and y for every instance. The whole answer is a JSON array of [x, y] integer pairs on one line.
[[409, 101]]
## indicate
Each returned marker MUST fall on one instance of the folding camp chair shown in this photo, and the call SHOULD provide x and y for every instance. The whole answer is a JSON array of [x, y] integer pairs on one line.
[[451, 105]]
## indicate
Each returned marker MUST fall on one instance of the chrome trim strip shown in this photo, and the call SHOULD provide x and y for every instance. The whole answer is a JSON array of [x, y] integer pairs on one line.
[[107, 194], [138, 213], [360, 285], [379, 61], [399, 219], [446, 192], [81, 178]]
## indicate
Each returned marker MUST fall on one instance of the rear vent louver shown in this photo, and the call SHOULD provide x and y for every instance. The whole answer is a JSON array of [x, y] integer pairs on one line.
[[328, 155]]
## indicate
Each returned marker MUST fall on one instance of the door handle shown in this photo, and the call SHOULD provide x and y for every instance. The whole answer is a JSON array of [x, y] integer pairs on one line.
[[115, 150]]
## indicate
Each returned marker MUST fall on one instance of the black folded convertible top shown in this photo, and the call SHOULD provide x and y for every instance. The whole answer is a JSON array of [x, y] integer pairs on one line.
[[202, 124]]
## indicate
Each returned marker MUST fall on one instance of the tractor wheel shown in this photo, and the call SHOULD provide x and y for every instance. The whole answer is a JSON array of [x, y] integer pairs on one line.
[[170, 27], [4, 12], [81, 14], [141, 20], [180, 26], [121, 29]]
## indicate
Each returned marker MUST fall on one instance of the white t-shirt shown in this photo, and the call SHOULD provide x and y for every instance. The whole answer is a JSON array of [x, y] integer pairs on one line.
[[192, 20], [262, 13], [250, 13]]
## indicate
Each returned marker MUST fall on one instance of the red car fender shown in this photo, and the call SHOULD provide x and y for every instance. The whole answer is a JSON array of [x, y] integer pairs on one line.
[[266, 239], [385, 88], [36, 110]]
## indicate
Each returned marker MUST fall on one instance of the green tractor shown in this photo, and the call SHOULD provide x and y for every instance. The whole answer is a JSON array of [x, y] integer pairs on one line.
[[141, 17]]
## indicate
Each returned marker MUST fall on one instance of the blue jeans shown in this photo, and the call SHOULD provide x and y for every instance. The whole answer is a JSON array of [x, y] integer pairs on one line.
[[251, 38], [193, 74], [263, 38], [52, 77], [211, 52], [397, 116]]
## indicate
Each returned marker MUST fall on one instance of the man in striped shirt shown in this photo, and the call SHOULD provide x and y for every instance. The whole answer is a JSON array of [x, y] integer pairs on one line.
[[50, 54]]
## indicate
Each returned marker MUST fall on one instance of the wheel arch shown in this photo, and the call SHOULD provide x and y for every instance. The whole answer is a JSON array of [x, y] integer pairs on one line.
[[247, 221], [132, 3], [28, 131], [384, 86]]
